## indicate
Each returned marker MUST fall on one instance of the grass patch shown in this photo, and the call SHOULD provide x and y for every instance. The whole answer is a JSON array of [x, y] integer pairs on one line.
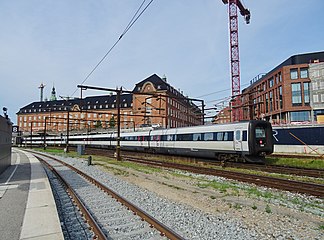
[[256, 192], [296, 162], [221, 187], [268, 209], [237, 206], [115, 171]]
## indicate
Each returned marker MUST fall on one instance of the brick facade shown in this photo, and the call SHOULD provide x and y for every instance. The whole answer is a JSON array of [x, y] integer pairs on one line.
[[152, 102], [283, 95]]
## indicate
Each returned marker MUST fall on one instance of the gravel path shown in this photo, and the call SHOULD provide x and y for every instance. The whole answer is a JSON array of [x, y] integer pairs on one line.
[[196, 212]]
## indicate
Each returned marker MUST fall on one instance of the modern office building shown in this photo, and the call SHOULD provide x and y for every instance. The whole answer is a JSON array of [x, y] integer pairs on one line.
[[291, 92]]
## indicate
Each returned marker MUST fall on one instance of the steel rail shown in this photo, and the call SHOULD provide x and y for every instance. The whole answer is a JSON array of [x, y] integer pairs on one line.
[[87, 215], [289, 185], [162, 228], [308, 172]]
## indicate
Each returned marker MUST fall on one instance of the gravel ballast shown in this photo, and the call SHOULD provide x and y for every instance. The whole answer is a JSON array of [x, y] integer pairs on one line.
[[203, 213]]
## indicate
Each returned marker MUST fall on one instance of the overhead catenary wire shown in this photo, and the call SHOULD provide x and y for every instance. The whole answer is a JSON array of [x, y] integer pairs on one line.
[[136, 16]]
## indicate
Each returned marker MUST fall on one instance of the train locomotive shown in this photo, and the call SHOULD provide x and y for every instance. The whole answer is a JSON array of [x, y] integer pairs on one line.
[[247, 141]]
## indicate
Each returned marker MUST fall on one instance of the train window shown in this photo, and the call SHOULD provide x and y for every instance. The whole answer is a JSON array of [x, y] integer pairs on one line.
[[208, 136], [155, 138], [170, 137], [260, 132], [164, 138], [244, 137], [230, 136], [219, 136], [184, 137], [238, 135], [197, 137]]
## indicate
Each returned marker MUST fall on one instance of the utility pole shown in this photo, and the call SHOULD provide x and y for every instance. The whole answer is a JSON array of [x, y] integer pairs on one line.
[[118, 91]]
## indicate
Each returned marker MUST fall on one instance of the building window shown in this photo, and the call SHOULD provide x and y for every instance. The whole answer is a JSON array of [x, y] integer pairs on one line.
[[296, 94], [271, 82], [293, 73], [300, 116], [306, 93], [280, 97], [267, 103], [315, 98], [314, 85], [271, 107], [303, 73]]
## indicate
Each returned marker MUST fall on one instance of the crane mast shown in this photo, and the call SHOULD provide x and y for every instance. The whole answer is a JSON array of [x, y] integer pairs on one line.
[[234, 53]]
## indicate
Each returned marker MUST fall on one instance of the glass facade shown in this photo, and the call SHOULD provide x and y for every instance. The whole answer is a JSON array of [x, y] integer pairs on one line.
[[306, 93], [294, 73], [280, 97], [296, 94], [301, 116], [304, 73]]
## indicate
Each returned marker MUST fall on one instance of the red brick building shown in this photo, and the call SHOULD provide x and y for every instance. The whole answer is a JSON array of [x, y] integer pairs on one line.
[[283, 94], [153, 102]]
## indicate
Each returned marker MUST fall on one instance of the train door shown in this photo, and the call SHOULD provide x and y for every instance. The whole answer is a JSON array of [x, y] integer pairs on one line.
[[238, 140]]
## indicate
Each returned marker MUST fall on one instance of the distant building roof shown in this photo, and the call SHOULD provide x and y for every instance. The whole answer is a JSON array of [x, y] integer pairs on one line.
[[294, 60], [95, 102]]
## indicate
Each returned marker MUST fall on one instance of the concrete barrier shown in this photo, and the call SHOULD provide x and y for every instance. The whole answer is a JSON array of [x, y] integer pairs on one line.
[[5, 143]]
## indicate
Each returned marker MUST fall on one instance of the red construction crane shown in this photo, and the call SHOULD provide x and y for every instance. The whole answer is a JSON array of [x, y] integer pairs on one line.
[[235, 56]]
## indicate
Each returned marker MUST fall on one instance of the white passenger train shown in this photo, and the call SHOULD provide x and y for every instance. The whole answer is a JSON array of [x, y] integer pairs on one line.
[[244, 141]]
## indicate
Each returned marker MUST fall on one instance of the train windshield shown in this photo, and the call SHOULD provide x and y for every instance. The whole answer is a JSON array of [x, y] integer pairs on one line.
[[260, 132]]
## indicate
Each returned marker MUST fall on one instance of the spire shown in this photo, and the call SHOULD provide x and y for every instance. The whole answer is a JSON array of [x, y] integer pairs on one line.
[[53, 95]]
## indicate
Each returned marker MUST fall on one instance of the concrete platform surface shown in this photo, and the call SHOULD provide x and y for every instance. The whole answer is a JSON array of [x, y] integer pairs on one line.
[[38, 218]]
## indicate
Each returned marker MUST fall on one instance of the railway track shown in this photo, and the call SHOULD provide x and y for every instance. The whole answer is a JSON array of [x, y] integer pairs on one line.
[[110, 215], [288, 185], [316, 173], [272, 182]]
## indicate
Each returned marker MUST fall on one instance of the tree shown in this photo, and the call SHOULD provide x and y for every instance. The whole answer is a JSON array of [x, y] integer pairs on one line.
[[112, 122], [98, 124]]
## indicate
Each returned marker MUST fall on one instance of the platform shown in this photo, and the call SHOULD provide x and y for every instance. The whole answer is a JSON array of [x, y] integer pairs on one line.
[[27, 205]]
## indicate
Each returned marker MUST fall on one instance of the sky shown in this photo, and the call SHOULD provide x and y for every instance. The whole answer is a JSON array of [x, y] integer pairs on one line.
[[59, 42]]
